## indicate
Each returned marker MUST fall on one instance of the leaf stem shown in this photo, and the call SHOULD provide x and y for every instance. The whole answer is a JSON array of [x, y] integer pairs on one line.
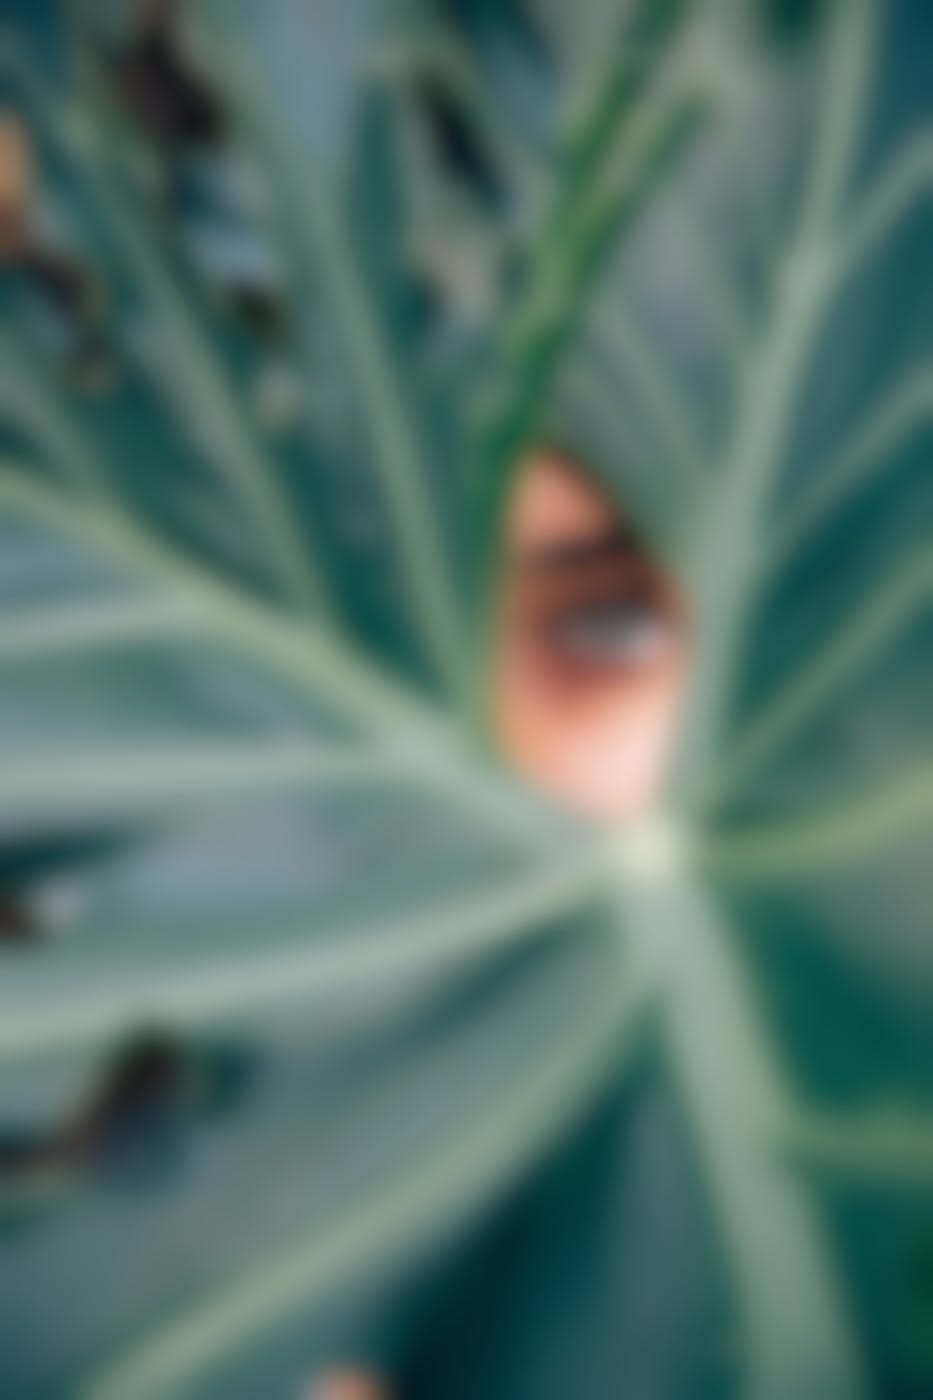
[[728, 552], [200, 378], [796, 1338], [853, 829], [419, 943], [880, 618], [323, 258]]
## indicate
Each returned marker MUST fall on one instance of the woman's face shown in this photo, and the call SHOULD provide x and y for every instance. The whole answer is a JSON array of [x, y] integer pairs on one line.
[[591, 646]]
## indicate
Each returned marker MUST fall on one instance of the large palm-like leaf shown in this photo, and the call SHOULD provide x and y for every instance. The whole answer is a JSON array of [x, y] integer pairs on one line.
[[240, 792]]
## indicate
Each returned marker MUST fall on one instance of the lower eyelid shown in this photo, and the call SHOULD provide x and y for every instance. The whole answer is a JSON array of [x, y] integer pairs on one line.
[[638, 642]]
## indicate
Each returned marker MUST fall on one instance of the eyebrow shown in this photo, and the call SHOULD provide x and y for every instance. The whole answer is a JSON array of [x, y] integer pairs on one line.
[[565, 555]]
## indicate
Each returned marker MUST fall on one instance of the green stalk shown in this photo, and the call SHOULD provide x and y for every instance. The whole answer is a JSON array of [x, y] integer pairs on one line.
[[221, 988], [906, 409], [43, 790], [322, 265], [198, 376], [795, 1338], [728, 550], [87, 627], [862, 824], [890, 610], [42, 418]]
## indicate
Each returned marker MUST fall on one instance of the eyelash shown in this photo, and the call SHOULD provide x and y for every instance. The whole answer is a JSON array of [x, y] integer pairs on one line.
[[626, 630]]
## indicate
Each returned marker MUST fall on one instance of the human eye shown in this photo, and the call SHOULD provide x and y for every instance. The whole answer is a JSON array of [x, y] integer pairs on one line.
[[622, 630]]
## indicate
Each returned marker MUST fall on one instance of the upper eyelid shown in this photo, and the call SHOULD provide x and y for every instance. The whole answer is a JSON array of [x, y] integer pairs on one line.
[[558, 612], [600, 583], [616, 545]]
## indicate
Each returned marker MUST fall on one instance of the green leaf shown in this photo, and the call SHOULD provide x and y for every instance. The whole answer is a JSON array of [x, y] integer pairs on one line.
[[241, 801]]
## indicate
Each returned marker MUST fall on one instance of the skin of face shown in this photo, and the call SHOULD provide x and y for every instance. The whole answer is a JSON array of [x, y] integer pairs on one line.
[[15, 181], [591, 646], [349, 1385]]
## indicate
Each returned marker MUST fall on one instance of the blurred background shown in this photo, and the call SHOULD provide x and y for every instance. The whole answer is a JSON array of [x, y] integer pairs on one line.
[[324, 1042]]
